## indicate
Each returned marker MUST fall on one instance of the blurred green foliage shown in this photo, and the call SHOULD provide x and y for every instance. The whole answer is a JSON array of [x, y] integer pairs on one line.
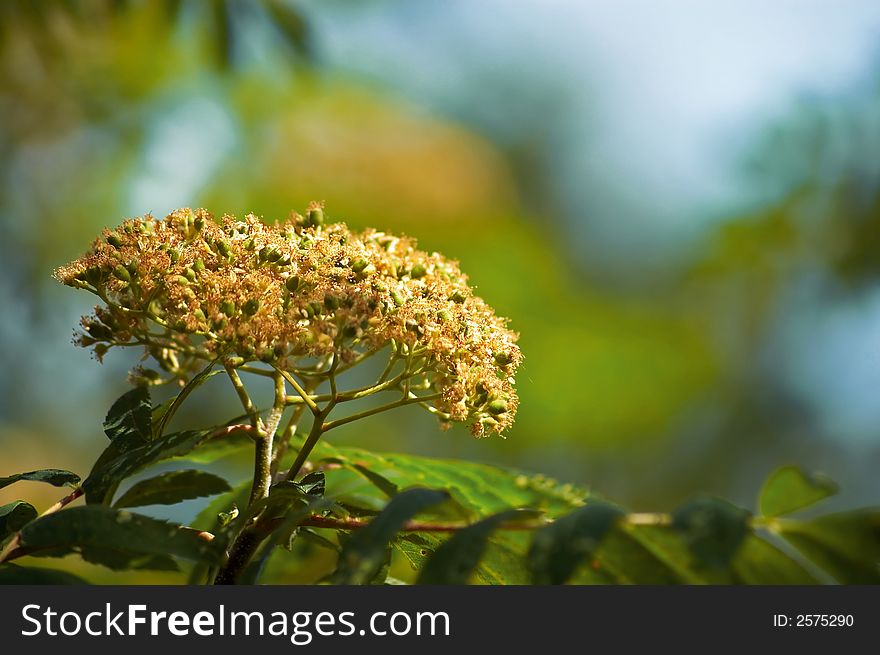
[[647, 392]]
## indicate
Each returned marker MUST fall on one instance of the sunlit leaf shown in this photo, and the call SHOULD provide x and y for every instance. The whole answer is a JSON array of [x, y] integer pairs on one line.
[[789, 489]]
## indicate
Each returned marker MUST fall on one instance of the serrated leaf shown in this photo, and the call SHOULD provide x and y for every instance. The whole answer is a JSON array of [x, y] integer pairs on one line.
[[481, 489], [846, 545], [713, 529], [55, 477], [115, 538], [455, 561], [14, 516], [559, 548], [789, 489], [12, 574], [172, 487], [130, 415], [363, 554], [123, 458]]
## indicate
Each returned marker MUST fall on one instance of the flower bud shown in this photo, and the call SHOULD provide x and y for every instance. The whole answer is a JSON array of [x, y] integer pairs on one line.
[[331, 302], [227, 307], [497, 407], [292, 283], [114, 240], [502, 358], [190, 275], [458, 296], [122, 273], [223, 247], [316, 217], [199, 266], [358, 265], [397, 298], [366, 272], [251, 307], [180, 279], [418, 271]]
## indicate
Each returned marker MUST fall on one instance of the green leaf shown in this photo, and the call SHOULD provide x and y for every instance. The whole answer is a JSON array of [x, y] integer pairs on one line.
[[456, 559], [481, 489], [12, 574], [713, 529], [172, 487], [162, 417], [760, 563], [124, 457], [130, 415], [14, 516], [789, 489], [846, 545], [55, 477], [363, 554], [559, 548], [118, 539]]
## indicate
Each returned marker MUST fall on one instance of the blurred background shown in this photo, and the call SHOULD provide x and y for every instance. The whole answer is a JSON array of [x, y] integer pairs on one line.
[[677, 205]]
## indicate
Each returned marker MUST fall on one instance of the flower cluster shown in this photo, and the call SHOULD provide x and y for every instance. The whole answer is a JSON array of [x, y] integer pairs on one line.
[[189, 288]]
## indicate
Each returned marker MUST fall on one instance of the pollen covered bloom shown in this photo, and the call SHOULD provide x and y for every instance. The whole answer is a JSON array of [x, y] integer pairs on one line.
[[297, 295]]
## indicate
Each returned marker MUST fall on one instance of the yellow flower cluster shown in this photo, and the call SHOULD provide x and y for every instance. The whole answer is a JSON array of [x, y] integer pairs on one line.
[[190, 288]]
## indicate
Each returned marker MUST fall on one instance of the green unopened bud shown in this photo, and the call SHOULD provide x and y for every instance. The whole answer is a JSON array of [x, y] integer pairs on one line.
[[114, 241], [180, 325], [309, 311], [502, 358], [199, 266], [199, 223], [418, 271], [458, 296], [331, 302], [292, 283], [350, 331], [227, 307], [174, 254], [273, 255], [367, 271], [249, 244], [94, 276], [223, 247], [234, 361], [284, 260], [397, 298], [122, 273], [251, 307], [199, 314], [497, 407], [444, 315], [181, 280], [358, 265], [316, 308], [190, 275], [316, 217]]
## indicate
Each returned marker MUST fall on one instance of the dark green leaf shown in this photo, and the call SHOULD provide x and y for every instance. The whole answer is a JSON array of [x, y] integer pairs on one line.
[[55, 477], [172, 487], [115, 538], [12, 574], [382, 483], [713, 529], [789, 489], [131, 414], [14, 516], [455, 561], [559, 548], [123, 457], [758, 562], [846, 545], [364, 553]]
